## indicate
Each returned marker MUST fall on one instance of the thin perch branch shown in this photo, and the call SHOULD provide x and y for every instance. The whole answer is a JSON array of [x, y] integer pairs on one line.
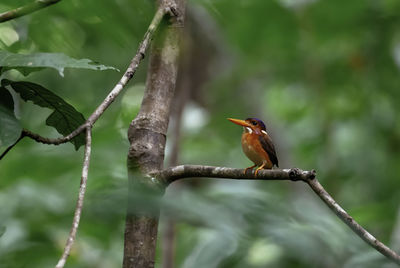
[[27, 9], [79, 203], [172, 174]]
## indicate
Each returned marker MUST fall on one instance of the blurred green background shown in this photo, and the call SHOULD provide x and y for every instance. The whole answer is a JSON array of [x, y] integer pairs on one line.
[[323, 75]]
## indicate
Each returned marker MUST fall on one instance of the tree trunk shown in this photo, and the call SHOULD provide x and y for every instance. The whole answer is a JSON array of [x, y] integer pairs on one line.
[[147, 136]]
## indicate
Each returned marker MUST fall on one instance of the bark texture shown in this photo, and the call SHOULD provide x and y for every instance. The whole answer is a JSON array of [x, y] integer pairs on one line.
[[147, 136], [169, 175]]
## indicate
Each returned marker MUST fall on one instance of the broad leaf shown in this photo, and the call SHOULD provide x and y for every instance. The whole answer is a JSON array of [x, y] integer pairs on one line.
[[64, 117], [26, 63], [10, 128], [6, 99]]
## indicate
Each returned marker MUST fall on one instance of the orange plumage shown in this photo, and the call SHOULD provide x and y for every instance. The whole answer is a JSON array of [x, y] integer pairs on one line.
[[257, 144]]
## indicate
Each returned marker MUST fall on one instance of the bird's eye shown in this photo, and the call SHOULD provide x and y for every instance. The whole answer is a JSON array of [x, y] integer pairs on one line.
[[254, 123]]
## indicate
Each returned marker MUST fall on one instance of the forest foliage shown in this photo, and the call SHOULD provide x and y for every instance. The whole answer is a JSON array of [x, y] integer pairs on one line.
[[323, 75]]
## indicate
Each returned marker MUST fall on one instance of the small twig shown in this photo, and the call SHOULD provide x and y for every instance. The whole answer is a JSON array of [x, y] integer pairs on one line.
[[79, 203], [27, 9], [347, 219], [172, 174], [12, 145]]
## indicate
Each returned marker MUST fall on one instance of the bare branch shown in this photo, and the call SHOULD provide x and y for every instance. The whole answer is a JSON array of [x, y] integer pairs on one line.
[[27, 9], [347, 219], [57, 141], [79, 203], [172, 174], [148, 36]]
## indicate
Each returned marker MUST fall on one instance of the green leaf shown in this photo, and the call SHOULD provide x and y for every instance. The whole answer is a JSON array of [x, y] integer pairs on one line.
[[6, 99], [64, 117], [10, 127], [26, 63]]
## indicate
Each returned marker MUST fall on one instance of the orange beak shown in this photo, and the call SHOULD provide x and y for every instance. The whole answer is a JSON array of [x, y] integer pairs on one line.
[[239, 122]]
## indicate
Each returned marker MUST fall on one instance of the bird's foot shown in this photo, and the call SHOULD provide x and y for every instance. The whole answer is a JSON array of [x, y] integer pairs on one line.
[[258, 169], [245, 171]]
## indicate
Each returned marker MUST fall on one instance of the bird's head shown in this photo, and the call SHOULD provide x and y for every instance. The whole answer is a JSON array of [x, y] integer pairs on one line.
[[251, 125]]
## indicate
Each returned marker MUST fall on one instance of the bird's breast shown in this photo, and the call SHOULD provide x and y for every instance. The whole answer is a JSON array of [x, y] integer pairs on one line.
[[253, 149]]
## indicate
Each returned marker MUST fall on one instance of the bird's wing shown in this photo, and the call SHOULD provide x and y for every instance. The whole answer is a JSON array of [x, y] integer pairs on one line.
[[268, 146]]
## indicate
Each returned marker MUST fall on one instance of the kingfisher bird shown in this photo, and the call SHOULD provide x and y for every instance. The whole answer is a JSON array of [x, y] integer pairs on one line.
[[257, 144]]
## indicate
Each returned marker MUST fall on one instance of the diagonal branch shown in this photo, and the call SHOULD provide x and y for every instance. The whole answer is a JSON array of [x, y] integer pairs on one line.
[[27, 9], [79, 203], [130, 71], [172, 174], [347, 219]]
